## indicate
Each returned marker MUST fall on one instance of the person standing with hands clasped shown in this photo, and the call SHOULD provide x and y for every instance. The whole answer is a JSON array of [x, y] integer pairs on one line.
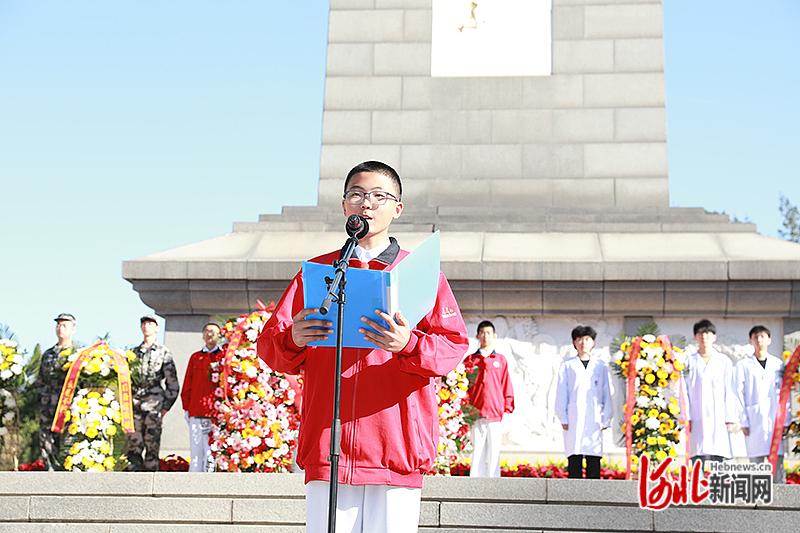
[[583, 405], [758, 387], [712, 403], [154, 392], [389, 411], [492, 395], [197, 397]]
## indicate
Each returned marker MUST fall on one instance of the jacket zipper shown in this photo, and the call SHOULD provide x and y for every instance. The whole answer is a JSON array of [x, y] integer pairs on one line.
[[351, 464]]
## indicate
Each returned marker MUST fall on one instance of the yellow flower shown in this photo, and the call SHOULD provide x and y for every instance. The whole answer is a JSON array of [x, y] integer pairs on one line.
[[93, 394], [625, 346], [73, 429], [674, 409], [105, 448], [672, 452], [444, 394], [651, 441], [662, 374], [634, 459], [67, 416], [678, 366], [661, 455], [662, 383], [661, 440], [675, 376], [634, 419], [91, 432], [649, 379], [663, 429], [659, 362], [109, 463], [68, 462], [652, 413]]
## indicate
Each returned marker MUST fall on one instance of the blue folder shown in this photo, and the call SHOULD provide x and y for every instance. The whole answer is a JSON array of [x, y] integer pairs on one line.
[[410, 287]]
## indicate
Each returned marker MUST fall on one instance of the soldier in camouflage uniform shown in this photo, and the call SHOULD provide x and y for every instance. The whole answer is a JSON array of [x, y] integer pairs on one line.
[[48, 387], [155, 389]]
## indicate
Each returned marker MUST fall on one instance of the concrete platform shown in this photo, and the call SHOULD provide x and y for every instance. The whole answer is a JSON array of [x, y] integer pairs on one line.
[[200, 503]]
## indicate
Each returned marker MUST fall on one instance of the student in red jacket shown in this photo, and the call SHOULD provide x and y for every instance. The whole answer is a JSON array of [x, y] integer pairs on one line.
[[197, 397], [493, 396], [389, 410]]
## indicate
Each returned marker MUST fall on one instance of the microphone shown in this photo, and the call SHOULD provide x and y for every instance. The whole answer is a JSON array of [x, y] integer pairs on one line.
[[357, 226]]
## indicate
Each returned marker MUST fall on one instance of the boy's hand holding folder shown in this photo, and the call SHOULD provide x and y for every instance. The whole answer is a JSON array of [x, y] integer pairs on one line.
[[375, 299]]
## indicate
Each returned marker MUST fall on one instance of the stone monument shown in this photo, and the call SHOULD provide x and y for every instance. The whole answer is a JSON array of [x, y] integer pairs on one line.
[[546, 173]]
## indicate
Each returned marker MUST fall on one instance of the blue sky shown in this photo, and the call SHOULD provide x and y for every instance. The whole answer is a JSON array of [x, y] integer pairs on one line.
[[128, 128]]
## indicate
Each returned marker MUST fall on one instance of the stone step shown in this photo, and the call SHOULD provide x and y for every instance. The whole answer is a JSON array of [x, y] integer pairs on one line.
[[692, 220], [199, 503], [519, 226]]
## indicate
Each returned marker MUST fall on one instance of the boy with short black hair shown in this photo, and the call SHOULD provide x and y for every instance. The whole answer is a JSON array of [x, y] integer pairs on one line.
[[493, 396], [197, 397], [712, 404], [389, 410], [583, 404], [758, 385]]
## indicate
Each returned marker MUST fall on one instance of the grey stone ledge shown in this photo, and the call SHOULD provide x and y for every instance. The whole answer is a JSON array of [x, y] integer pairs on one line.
[[129, 509], [238, 485], [484, 489], [544, 516], [14, 508], [54, 527], [271, 511], [205, 528], [83, 483], [723, 519], [579, 491]]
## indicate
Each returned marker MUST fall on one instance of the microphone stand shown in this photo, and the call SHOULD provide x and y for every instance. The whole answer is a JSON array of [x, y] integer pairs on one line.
[[336, 294]]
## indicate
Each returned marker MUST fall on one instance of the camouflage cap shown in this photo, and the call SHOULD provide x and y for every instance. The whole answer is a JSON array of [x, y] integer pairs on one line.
[[148, 318], [65, 316]]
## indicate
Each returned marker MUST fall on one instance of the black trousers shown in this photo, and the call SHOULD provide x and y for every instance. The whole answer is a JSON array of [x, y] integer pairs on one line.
[[575, 466]]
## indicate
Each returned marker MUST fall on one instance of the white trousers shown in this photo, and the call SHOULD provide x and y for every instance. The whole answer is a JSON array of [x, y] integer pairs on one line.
[[486, 449], [363, 508], [199, 430]]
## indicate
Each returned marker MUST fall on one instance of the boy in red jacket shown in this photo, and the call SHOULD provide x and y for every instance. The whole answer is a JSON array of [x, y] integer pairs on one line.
[[493, 396], [197, 397], [389, 410]]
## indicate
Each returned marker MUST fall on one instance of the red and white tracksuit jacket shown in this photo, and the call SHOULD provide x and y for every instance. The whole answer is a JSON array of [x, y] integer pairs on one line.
[[492, 393], [389, 410]]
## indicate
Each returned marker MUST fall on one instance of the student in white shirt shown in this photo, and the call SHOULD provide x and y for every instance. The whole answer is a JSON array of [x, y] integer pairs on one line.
[[758, 386], [712, 403], [583, 404]]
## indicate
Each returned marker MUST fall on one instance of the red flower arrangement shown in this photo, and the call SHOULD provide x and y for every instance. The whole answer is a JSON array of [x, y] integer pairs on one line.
[[552, 469], [173, 463], [37, 465], [793, 476]]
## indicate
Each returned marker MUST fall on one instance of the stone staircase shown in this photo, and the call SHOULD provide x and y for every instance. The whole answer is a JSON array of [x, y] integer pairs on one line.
[[46, 502], [511, 219]]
